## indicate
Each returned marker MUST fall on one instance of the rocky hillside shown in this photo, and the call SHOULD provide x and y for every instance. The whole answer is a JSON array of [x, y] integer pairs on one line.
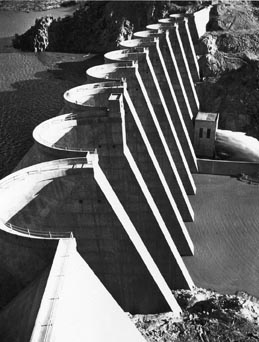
[[229, 65], [229, 52], [33, 5], [99, 26], [207, 317]]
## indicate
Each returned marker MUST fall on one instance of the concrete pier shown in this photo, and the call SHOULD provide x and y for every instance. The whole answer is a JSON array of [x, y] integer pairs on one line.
[[159, 102], [106, 132], [173, 35], [160, 153], [174, 74], [169, 103], [188, 46]]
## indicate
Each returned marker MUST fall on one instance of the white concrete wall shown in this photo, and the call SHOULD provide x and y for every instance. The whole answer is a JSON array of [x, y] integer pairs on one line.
[[84, 310], [201, 19]]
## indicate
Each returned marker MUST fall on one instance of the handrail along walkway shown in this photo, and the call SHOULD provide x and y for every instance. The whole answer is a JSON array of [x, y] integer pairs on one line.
[[39, 233], [43, 167]]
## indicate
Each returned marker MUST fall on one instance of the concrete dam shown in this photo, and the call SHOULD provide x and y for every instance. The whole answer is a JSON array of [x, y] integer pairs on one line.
[[110, 209]]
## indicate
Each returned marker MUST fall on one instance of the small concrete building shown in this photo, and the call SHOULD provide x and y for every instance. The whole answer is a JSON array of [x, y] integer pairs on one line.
[[206, 125]]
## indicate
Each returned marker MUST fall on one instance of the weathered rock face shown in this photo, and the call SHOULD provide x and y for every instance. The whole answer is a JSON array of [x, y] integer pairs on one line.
[[229, 62], [235, 95], [232, 15], [223, 51], [207, 316], [41, 41], [36, 38], [30, 5], [100, 25]]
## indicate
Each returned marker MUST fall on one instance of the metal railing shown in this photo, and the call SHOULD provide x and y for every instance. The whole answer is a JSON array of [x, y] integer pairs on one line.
[[59, 164], [21, 176], [55, 297], [57, 145], [71, 148], [39, 233]]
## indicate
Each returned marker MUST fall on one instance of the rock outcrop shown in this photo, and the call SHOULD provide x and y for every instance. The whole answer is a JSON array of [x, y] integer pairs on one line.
[[229, 52], [99, 26], [229, 64], [36, 38], [207, 317], [41, 41], [33, 5]]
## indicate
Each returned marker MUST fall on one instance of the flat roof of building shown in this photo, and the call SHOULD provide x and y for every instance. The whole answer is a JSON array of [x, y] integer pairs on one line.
[[225, 234], [202, 116]]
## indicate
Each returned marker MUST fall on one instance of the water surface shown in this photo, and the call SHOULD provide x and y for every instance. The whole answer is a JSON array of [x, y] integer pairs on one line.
[[12, 22], [31, 86]]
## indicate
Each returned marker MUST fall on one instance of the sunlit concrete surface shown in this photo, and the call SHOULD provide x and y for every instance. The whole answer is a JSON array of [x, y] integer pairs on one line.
[[188, 46], [128, 211], [90, 129], [63, 197], [177, 145], [151, 131], [172, 33], [225, 234], [86, 95], [77, 307], [167, 105], [21, 190], [173, 71], [69, 132], [197, 22]]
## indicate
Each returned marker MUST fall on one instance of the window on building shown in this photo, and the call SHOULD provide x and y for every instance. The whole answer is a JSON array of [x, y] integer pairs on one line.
[[201, 132], [208, 133]]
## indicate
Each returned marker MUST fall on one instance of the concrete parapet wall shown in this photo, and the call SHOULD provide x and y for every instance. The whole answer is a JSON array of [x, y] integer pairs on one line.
[[76, 99], [68, 136], [227, 168], [72, 135]]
